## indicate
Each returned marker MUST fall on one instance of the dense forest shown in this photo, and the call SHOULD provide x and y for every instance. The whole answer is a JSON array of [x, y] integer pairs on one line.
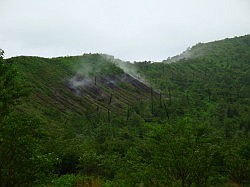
[[93, 120]]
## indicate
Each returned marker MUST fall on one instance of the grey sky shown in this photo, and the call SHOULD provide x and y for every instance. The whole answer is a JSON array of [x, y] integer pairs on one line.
[[128, 29]]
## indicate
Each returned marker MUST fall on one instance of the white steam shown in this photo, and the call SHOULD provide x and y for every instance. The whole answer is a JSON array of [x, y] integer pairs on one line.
[[127, 67], [196, 51], [84, 76], [80, 82], [187, 54], [87, 73]]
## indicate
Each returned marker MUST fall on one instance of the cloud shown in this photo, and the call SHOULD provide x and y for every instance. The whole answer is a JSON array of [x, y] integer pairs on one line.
[[130, 30]]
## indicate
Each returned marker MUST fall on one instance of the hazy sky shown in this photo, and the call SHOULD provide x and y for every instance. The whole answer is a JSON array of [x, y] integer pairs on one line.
[[128, 29]]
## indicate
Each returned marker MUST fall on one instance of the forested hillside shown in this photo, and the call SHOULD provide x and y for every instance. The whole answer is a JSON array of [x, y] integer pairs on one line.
[[87, 121]]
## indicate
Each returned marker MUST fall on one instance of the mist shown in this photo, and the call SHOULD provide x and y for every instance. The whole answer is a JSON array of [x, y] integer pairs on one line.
[[89, 74]]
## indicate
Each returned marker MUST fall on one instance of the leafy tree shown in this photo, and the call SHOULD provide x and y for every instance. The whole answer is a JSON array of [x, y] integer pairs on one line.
[[21, 163], [11, 90]]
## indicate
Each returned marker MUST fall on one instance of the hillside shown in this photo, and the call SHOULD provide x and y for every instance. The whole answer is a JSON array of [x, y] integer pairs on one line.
[[212, 72], [225, 50], [96, 124], [67, 86]]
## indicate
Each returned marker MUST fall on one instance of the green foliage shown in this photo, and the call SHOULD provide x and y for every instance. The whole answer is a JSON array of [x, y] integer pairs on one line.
[[10, 87], [21, 162], [192, 131], [68, 180], [18, 149]]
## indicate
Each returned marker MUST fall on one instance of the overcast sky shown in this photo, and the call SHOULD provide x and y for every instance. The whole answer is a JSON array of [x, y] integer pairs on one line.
[[128, 29]]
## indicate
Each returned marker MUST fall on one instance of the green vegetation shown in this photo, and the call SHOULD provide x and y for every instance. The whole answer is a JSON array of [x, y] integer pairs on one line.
[[82, 121]]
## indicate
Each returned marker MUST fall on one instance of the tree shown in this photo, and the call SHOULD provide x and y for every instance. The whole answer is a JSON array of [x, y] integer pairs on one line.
[[11, 90], [21, 162]]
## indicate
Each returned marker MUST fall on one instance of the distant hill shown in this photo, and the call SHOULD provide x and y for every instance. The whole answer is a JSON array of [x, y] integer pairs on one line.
[[237, 47]]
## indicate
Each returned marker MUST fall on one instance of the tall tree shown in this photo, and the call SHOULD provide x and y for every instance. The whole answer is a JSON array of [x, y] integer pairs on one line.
[[10, 88], [21, 163]]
